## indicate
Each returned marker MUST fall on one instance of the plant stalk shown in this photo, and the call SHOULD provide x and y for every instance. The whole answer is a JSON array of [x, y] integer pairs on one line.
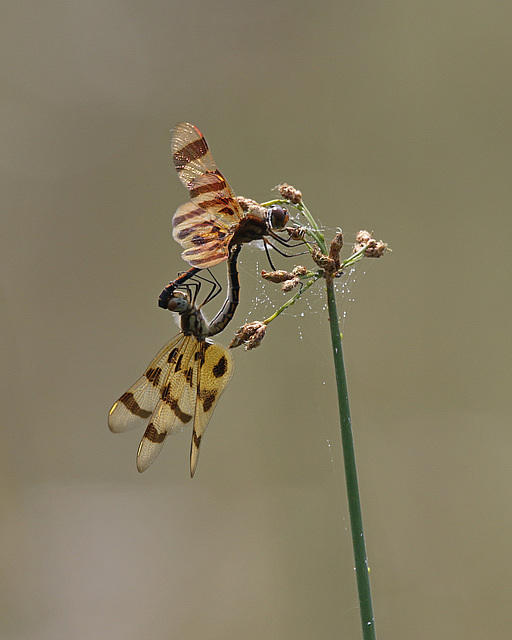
[[354, 503]]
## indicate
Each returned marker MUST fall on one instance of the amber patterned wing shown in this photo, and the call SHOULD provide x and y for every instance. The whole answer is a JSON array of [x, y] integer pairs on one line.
[[205, 225], [157, 397], [216, 366], [183, 383]]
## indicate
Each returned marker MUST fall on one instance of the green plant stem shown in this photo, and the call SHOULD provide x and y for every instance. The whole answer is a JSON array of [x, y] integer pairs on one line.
[[317, 234], [354, 503]]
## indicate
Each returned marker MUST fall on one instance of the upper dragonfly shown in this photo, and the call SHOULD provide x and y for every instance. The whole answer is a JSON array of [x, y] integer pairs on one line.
[[184, 381], [213, 221]]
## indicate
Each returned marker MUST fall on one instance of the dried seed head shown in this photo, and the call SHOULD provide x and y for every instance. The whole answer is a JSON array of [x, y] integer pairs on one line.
[[289, 280], [299, 270], [336, 245], [245, 203], [249, 205], [363, 237], [290, 193], [250, 335], [277, 276], [372, 248], [335, 248], [375, 249], [290, 284], [324, 262]]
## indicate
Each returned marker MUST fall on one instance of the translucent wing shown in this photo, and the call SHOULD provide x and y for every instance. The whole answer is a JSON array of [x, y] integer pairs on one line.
[[216, 366], [165, 396], [183, 383], [202, 236], [213, 212], [134, 408], [176, 406], [190, 153]]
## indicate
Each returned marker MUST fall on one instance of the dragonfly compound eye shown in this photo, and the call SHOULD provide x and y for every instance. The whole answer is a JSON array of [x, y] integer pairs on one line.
[[277, 217]]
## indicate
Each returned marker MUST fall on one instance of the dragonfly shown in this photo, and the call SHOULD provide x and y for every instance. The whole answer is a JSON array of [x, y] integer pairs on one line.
[[185, 380], [213, 221]]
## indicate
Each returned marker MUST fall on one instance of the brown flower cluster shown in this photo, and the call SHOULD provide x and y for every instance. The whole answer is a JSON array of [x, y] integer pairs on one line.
[[290, 279], [290, 193], [372, 248], [250, 335], [249, 205], [330, 263]]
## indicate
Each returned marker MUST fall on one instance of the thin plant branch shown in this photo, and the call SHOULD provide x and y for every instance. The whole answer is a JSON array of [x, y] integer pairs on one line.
[[329, 266], [349, 458]]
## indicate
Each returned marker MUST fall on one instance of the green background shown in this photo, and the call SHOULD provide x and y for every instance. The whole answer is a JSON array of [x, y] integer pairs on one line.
[[390, 116]]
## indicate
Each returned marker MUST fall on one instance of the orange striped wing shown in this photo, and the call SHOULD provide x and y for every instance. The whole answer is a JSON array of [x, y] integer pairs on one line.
[[204, 226]]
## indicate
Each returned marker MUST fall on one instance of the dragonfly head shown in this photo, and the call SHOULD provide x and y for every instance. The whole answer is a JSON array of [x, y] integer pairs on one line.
[[277, 217], [179, 302]]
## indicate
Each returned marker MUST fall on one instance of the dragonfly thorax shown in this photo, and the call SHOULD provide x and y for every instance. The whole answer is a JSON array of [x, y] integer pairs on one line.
[[193, 323]]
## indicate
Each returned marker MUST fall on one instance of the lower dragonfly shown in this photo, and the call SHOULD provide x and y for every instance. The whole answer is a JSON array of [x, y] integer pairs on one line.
[[185, 380]]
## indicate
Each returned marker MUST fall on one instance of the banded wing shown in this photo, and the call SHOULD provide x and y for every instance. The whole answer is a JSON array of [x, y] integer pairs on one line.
[[205, 225], [170, 394], [214, 371], [205, 241], [156, 397]]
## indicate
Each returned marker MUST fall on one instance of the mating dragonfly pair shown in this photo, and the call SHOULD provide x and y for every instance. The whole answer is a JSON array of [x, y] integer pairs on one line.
[[185, 380]]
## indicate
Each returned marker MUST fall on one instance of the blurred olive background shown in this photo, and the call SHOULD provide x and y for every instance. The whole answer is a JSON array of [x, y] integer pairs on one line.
[[391, 116]]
